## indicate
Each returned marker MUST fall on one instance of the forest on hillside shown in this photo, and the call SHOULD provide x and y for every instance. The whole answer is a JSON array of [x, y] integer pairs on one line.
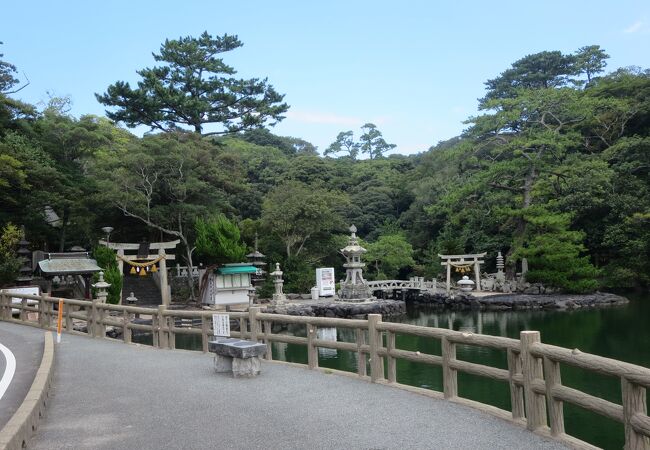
[[555, 169]]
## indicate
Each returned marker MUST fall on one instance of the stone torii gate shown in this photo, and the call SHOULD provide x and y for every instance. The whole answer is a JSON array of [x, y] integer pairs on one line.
[[121, 247], [463, 261]]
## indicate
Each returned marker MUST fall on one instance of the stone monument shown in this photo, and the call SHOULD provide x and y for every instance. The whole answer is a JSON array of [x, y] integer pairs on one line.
[[278, 297], [354, 288]]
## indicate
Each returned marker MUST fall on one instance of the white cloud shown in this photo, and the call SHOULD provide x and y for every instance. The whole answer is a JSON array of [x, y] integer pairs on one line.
[[634, 28], [323, 118]]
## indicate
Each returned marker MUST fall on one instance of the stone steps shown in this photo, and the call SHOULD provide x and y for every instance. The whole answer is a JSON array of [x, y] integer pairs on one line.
[[143, 288]]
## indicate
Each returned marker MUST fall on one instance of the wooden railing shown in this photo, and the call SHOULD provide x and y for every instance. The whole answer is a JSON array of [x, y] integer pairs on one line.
[[532, 374]]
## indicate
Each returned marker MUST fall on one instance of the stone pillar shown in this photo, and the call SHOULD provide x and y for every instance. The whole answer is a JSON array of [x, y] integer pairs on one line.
[[448, 277], [162, 271], [120, 267], [477, 274]]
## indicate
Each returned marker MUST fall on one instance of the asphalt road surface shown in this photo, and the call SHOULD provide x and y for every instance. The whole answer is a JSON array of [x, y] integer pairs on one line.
[[108, 395], [26, 345]]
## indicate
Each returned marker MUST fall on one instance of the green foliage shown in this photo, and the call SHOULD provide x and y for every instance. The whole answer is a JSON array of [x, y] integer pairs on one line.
[[389, 254], [371, 143], [554, 253], [114, 278], [218, 241], [298, 213], [193, 87], [9, 262], [7, 78], [106, 259], [344, 143], [555, 167]]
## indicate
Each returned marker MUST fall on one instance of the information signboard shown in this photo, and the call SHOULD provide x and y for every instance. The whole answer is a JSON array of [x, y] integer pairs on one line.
[[221, 325]]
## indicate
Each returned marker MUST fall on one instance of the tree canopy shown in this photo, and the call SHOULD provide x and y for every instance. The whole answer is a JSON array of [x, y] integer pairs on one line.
[[555, 169], [194, 88]]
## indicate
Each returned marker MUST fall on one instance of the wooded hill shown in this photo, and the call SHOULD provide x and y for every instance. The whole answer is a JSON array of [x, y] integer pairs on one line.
[[554, 169]]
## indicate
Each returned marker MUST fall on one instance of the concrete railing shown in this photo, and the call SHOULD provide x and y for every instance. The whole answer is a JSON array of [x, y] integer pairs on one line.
[[533, 373]]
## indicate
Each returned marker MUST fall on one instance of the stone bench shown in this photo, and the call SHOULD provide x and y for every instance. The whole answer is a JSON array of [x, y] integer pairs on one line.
[[240, 357]]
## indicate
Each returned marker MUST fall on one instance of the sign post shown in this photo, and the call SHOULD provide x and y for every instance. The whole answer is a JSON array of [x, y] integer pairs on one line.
[[59, 322], [221, 325]]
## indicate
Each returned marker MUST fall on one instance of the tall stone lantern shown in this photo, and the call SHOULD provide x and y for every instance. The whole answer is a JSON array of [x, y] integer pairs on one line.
[[278, 296], [354, 288]]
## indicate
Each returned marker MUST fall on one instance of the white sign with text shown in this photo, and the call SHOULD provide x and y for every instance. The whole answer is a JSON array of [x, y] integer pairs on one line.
[[221, 324]]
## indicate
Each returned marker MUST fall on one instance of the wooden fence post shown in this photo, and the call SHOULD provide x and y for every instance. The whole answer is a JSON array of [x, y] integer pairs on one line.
[[391, 361], [555, 407], [91, 319], [23, 312], [634, 402], [242, 328], [68, 318], [375, 338], [126, 330], [449, 375], [171, 323], [205, 331], [532, 370], [160, 322], [100, 325], [516, 391], [155, 336], [312, 351], [361, 356], [254, 322], [42, 313], [269, 345], [3, 306]]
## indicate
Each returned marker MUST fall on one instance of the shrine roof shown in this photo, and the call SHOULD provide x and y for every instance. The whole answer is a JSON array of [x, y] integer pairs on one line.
[[68, 266], [233, 269]]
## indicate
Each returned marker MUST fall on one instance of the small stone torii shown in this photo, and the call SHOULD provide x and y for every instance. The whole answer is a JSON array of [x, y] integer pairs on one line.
[[121, 247], [463, 260]]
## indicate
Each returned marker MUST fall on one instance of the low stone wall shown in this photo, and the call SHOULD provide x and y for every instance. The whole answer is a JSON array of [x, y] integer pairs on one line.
[[461, 301], [341, 309]]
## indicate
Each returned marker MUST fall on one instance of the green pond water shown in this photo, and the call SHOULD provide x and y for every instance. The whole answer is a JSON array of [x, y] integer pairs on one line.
[[621, 332]]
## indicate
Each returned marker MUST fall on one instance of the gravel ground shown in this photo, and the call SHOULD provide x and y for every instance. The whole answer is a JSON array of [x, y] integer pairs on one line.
[[108, 395]]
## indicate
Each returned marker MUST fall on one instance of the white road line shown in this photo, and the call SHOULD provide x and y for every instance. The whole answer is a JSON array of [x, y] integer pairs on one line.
[[9, 370]]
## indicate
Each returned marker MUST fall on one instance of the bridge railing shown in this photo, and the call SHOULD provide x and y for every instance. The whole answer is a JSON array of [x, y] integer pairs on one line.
[[533, 371]]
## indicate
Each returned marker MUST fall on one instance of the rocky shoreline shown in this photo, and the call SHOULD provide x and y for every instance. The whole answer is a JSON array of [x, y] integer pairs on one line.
[[455, 301], [461, 301], [342, 310]]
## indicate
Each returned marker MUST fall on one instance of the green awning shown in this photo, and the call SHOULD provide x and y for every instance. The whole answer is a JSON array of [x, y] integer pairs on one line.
[[230, 270]]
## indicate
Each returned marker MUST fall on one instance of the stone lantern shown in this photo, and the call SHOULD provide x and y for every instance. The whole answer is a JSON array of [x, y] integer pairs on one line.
[[25, 257], [354, 288], [257, 260], [101, 287], [466, 285], [279, 296], [500, 266]]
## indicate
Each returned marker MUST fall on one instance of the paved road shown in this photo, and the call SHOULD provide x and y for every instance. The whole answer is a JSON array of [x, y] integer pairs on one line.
[[26, 344], [109, 395]]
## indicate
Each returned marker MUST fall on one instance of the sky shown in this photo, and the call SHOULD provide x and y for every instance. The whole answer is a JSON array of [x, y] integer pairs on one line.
[[413, 68]]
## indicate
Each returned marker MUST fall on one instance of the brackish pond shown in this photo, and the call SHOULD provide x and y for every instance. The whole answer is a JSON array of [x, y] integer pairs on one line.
[[621, 333]]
